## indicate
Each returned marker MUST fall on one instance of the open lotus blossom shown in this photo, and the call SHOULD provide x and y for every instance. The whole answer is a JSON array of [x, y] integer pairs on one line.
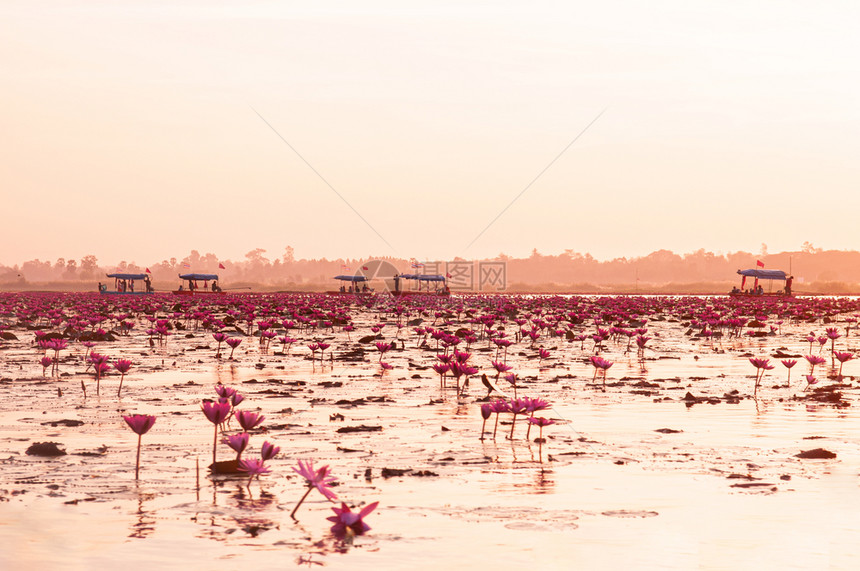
[[238, 442], [319, 479], [500, 368], [269, 450], [249, 420], [122, 365], [217, 413], [441, 368], [789, 363], [254, 467], [517, 406], [140, 424], [762, 365], [346, 522], [383, 348], [540, 422], [219, 338], [498, 406], [532, 406], [233, 342], [814, 360], [600, 365], [843, 357]]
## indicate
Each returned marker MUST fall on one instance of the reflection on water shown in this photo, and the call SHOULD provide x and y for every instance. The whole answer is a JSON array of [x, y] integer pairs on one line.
[[144, 525]]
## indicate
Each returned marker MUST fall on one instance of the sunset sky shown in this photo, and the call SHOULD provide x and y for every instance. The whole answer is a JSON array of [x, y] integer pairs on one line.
[[133, 130]]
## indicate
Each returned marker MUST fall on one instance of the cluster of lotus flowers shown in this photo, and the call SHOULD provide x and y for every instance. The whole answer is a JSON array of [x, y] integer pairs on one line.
[[457, 323], [219, 412], [762, 365], [517, 406]]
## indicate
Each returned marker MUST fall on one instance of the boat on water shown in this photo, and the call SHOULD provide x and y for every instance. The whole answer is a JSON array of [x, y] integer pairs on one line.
[[198, 284], [357, 285], [124, 284], [438, 282], [757, 289]]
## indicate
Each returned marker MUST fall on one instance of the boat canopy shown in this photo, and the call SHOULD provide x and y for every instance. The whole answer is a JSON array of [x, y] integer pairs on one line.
[[763, 274], [127, 276], [424, 277], [199, 276], [345, 278]]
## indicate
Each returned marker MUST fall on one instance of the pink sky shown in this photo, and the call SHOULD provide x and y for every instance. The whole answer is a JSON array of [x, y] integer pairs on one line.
[[130, 131]]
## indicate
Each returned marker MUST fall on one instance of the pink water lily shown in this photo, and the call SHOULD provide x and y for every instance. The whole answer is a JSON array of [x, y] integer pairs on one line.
[[140, 424], [217, 413], [319, 479], [122, 365], [346, 522], [761, 364], [254, 467], [789, 363]]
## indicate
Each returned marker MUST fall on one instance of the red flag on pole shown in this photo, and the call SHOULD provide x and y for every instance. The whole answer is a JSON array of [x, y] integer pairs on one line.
[[147, 271], [759, 263], [220, 265]]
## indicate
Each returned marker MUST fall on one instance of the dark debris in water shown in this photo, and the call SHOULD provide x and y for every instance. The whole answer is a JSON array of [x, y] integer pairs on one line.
[[816, 454], [45, 449], [65, 422], [360, 428]]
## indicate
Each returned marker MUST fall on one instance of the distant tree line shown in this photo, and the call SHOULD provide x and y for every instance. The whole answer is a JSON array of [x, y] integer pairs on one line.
[[839, 268]]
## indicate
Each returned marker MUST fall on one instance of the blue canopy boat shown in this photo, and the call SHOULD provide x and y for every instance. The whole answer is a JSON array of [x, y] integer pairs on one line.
[[435, 279], [192, 284], [762, 274], [353, 288], [124, 285]]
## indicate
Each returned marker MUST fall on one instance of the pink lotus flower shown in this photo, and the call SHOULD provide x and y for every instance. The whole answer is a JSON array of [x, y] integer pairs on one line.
[[814, 360], [319, 479], [843, 357], [217, 413], [220, 338], [600, 364], [122, 365], [46, 362], [347, 522], [140, 424], [233, 342], [500, 368], [540, 422], [249, 420], [383, 348], [254, 468], [238, 442], [486, 411], [789, 363], [269, 451]]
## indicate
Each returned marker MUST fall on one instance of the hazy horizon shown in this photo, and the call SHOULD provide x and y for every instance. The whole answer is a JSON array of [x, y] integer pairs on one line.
[[137, 130]]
